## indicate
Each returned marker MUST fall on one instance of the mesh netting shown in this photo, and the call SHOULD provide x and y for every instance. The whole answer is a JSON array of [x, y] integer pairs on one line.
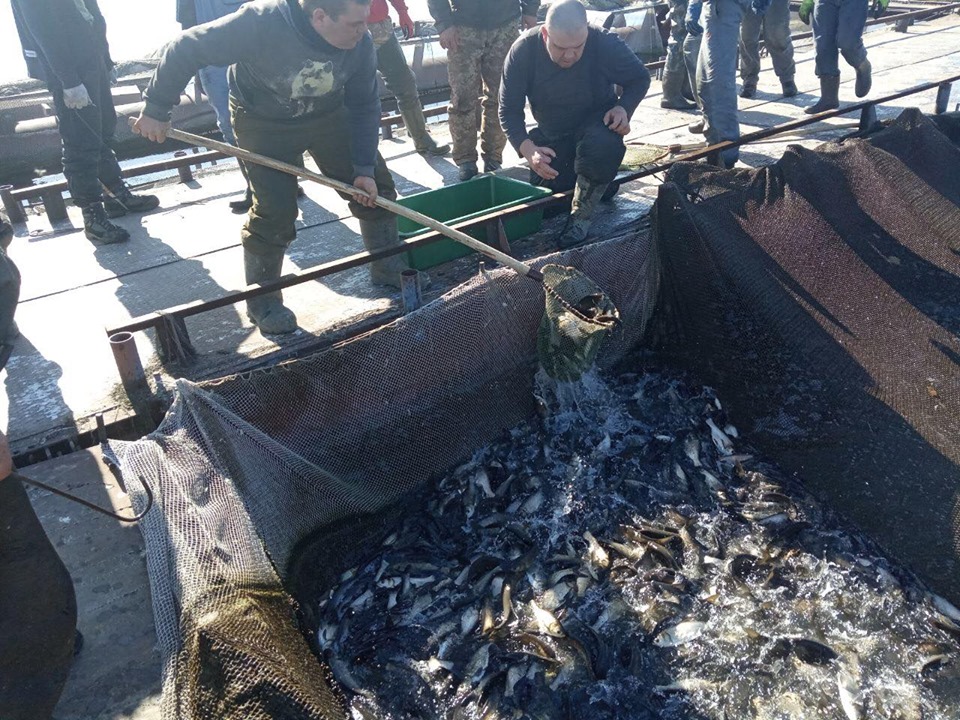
[[274, 479], [820, 296]]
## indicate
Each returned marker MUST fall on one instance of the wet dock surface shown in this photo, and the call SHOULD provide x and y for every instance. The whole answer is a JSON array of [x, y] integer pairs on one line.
[[62, 372]]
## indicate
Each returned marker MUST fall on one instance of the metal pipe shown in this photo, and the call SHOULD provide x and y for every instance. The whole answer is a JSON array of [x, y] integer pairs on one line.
[[54, 205], [12, 205], [410, 290], [132, 376], [184, 171]]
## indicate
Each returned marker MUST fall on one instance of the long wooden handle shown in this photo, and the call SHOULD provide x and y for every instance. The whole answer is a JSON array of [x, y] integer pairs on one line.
[[393, 207]]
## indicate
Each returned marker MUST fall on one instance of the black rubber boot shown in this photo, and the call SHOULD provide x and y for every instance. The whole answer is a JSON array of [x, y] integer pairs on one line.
[[864, 79], [586, 195], [120, 202], [267, 312], [789, 87], [697, 126], [428, 146], [490, 166], [468, 171], [98, 228], [829, 95], [380, 235], [239, 207], [748, 90]]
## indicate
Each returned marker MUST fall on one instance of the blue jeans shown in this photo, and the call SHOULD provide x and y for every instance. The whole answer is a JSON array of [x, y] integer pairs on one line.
[[217, 89], [775, 25], [838, 28], [717, 73]]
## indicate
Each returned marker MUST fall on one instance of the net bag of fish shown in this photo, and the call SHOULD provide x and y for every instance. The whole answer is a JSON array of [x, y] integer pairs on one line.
[[423, 523]]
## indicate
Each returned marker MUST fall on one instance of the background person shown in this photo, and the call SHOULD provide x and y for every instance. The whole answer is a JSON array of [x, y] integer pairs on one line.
[[397, 75], [568, 69], [65, 44], [477, 34]]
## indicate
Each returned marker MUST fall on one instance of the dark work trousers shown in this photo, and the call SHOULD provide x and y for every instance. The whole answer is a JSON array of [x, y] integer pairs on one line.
[[87, 137], [594, 151], [271, 221], [38, 612]]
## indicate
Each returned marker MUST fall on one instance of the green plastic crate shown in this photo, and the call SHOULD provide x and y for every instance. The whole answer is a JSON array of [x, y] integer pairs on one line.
[[464, 201]]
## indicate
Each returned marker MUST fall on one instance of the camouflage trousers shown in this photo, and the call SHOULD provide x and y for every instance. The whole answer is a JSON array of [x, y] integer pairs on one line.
[[476, 65]]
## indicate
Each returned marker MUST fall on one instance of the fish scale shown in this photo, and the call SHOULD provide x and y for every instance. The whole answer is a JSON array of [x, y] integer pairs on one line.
[[573, 577]]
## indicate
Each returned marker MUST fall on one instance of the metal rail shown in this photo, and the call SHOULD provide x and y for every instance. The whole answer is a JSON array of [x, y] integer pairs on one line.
[[161, 320], [51, 193]]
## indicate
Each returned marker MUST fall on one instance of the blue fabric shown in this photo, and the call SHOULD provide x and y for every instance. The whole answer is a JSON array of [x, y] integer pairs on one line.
[[217, 89], [717, 73], [694, 11], [838, 29]]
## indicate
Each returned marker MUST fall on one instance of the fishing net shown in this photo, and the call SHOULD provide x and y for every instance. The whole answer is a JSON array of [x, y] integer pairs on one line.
[[820, 296], [267, 484]]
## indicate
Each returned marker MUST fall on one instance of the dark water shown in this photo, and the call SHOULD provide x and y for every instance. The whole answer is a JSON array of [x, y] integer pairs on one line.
[[626, 557]]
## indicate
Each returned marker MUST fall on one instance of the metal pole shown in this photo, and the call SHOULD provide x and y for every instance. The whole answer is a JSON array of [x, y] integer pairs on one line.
[[54, 205], [410, 290], [943, 98], [186, 174], [132, 377]]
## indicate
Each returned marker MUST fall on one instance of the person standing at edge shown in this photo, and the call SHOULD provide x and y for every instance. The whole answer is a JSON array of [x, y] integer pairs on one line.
[[717, 69], [678, 76], [568, 70], [838, 29], [398, 76], [477, 35], [65, 45], [775, 26], [303, 78]]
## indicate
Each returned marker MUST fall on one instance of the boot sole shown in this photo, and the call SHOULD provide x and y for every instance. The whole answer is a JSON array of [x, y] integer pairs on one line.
[[120, 212], [101, 241]]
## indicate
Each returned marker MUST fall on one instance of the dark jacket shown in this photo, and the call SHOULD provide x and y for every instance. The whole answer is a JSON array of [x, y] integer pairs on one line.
[[563, 99], [60, 41], [280, 69], [480, 14]]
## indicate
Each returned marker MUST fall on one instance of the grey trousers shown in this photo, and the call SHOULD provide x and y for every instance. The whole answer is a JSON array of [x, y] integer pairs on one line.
[[400, 80], [775, 26], [838, 28], [680, 68], [717, 72]]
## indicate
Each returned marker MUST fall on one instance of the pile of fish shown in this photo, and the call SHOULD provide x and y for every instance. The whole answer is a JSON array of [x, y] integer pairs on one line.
[[625, 557]]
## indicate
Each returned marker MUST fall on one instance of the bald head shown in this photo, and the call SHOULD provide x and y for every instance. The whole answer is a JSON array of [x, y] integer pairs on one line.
[[565, 32], [566, 17]]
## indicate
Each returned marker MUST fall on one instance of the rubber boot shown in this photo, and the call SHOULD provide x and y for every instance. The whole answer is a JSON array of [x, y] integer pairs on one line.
[[381, 235], [698, 126], [98, 228], [121, 201], [416, 125], [748, 90], [586, 195], [491, 166], [467, 171], [864, 79], [789, 87], [267, 312], [829, 95], [674, 73]]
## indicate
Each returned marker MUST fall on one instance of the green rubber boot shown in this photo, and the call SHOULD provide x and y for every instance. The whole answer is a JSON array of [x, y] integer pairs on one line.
[[267, 312]]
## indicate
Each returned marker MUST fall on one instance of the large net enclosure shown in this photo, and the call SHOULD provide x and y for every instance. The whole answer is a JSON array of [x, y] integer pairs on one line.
[[745, 509]]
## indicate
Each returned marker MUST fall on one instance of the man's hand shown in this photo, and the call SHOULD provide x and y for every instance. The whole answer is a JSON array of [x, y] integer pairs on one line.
[[806, 8], [616, 119], [406, 24], [879, 8], [528, 21], [539, 157], [77, 97], [369, 186], [450, 39], [150, 129], [6, 459]]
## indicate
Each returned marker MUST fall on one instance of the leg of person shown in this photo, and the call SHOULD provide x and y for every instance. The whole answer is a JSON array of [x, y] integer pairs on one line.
[[826, 16], [691, 55], [598, 156], [493, 140], [750, 30], [400, 80], [717, 73], [674, 68], [776, 37], [850, 24], [80, 134], [270, 227], [217, 89], [118, 200], [330, 148], [38, 611], [463, 69]]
